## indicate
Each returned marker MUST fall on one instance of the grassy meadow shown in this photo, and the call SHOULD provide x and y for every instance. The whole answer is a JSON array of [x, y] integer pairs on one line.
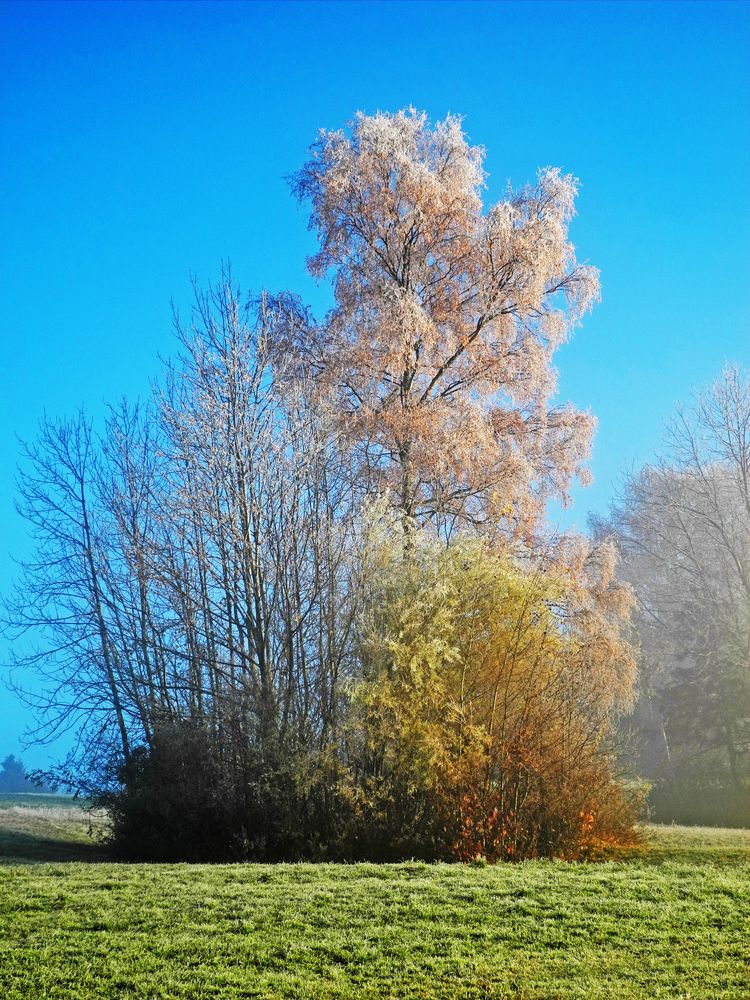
[[41, 827], [669, 920]]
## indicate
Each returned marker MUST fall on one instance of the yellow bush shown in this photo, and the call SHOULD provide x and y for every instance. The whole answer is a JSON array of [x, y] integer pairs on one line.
[[489, 687]]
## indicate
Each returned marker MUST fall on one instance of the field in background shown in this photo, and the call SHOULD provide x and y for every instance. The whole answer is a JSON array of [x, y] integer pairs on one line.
[[41, 827], [671, 920]]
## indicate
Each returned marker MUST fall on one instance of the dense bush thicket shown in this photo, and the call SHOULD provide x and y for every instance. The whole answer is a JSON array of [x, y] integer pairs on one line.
[[303, 603], [495, 684], [477, 725]]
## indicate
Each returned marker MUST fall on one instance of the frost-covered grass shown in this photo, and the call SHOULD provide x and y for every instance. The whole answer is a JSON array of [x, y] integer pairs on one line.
[[48, 828], [35, 800], [695, 841], [670, 921]]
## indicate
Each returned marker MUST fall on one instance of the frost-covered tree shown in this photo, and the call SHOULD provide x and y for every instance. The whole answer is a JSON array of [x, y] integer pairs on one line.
[[447, 314]]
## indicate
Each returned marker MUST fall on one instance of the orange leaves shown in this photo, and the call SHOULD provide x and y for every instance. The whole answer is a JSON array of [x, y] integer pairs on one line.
[[485, 832]]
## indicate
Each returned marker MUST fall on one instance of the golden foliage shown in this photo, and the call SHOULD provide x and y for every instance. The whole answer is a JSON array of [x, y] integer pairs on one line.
[[488, 695]]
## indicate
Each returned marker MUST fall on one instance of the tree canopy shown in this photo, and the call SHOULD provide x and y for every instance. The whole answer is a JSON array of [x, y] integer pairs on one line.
[[438, 349]]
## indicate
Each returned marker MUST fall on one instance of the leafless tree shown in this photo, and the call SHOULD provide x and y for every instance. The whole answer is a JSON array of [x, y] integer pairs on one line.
[[684, 527], [194, 561]]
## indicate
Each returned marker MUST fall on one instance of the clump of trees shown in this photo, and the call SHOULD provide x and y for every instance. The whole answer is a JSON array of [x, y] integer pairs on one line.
[[302, 603], [683, 527]]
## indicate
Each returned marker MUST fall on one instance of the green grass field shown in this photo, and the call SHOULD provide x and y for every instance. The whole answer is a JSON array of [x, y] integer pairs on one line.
[[672, 920]]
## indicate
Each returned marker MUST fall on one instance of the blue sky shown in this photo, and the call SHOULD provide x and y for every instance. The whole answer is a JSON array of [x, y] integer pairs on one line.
[[140, 144]]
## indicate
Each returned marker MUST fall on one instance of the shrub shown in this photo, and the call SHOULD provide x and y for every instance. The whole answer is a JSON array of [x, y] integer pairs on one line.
[[488, 694]]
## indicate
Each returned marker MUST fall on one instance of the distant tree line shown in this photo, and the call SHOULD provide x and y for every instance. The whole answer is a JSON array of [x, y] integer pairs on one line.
[[15, 778], [683, 528], [303, 601]]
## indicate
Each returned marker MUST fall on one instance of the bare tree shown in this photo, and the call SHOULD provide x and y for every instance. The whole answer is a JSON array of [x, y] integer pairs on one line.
[[194, 561], [61, 598], [684, 527]]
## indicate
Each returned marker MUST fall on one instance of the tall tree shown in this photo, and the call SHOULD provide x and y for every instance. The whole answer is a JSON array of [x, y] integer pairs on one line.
[[200, 591], [438, 349]]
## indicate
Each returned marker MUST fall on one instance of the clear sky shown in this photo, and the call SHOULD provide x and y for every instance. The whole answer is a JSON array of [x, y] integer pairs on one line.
[[142, 143]]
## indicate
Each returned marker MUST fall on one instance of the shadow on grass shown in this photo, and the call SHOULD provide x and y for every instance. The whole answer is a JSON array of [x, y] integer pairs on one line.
[[18, 848]]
